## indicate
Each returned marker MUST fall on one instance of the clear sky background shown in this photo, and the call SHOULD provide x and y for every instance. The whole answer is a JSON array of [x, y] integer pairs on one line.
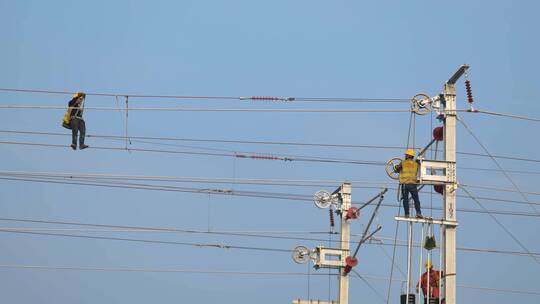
[[368, 49]]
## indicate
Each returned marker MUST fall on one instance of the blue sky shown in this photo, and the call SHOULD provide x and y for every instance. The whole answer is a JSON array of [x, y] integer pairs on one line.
[[242, 48]]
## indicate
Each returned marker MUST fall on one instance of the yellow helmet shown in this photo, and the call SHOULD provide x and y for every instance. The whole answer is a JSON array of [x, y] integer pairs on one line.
[[409, 152], [79, 94], [428, 264]]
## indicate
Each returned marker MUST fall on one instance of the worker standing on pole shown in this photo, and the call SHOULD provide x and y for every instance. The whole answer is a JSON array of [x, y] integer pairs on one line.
[[430, 277], [78, 126], [408, 171]]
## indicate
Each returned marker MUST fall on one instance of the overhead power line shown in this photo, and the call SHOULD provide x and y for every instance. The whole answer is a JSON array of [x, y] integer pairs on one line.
[[231, 272], [257, 156], [262, 98], [192, 109], [498, 166], [231, 192], [191, 244], [258, 142], [361, 184], [237, 233], [507, 115], [261, 157], [508, 232]]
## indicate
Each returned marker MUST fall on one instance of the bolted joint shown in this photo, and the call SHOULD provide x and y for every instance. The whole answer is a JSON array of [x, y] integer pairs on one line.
[[352, 213]]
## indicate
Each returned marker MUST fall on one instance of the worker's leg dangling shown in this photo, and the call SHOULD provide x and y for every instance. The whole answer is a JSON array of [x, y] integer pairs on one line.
[[74, 131], [82, 134]]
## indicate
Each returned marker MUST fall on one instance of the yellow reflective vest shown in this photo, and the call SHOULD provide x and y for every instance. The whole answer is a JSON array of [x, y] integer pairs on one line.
[[408, 173]]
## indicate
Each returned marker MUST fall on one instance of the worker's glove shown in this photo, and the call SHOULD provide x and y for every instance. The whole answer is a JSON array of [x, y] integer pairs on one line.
[[396, 168]]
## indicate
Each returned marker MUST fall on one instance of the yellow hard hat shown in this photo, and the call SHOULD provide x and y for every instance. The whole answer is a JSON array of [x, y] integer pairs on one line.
[[409, 152], [79, 94], [428, 264]]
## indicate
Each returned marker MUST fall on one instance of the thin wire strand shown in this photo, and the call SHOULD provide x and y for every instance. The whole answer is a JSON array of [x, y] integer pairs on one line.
[[259, 156], [506, 115], [505, 229], [258, 194], [192, 109], [498, 166], [379, 295], [229, 272], [226, 141], [199, 245], [314, 99], [302, 159], [253, 181], [240, 233]]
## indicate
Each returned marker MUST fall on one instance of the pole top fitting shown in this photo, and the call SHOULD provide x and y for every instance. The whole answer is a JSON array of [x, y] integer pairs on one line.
[[462, 70]]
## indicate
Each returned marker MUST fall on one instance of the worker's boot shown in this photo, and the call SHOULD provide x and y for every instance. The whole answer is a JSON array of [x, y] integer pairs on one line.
[[419, 215], [83, 146], [73, 146]]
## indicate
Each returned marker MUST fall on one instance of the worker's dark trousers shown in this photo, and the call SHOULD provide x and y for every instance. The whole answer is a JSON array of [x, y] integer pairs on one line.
[[405, 190], [77, 125]]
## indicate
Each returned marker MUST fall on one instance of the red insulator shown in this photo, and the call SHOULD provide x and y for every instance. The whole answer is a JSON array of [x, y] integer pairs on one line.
[[438, 133], [439, 189], [332, 223], [352, 213], [350, 262], [469, 91]]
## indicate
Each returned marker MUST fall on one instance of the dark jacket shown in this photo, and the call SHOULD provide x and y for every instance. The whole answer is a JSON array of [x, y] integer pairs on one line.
[[76, 111]]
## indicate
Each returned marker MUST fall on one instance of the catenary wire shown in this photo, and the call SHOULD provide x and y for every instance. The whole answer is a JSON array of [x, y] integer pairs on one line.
[[506, 115], [230, 272], [377, 293], [498, 165], [192, 109], [508, 232], [258, 156], [258, 142], [199, 245], [230, 192], [253, 181], [244, 233], [301, 159], [313, 99]]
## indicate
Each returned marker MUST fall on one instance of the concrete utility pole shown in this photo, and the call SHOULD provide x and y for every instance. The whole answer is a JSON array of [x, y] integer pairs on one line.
[[345, 233], [449, 103], [334, 258], [430, 173]]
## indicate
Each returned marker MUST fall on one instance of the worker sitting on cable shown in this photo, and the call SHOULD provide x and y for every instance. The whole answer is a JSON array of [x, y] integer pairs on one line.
[[76, 121], [434, 278], [408, 170]]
